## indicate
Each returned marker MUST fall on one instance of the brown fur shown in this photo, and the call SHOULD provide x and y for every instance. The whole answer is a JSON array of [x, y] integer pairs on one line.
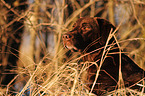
[[89, 34]]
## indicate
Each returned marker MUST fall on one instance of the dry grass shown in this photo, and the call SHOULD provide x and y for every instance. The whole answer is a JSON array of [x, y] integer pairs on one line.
[[48, 75]]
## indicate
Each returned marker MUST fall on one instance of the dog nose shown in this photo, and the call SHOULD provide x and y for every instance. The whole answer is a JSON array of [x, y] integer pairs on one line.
[[66, 36]]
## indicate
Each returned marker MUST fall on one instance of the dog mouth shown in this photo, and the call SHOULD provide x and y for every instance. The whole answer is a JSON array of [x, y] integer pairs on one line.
[[70, 46]]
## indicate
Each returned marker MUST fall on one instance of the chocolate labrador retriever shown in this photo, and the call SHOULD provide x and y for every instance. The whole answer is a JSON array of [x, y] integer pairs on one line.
[[89, 35]]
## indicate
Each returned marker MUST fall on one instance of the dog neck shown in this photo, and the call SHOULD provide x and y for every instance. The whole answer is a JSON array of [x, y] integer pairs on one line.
[[94, 52]]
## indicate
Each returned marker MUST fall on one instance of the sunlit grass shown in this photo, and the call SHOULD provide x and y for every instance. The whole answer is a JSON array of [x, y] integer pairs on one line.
[[53, 77]]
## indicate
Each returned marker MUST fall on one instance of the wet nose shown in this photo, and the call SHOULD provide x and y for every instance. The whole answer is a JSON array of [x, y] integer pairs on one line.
[[66, 36]]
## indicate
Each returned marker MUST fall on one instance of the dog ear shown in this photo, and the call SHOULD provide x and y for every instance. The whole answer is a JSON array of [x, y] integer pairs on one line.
[[105, 28]]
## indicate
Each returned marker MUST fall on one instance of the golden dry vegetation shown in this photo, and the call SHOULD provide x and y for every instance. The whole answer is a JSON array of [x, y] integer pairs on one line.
[[31, 49]]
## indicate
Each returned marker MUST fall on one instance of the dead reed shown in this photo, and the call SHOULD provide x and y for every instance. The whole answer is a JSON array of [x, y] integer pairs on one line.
[[40, 68]]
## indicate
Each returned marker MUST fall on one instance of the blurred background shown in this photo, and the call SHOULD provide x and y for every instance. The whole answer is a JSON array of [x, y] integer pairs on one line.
[[33, 60]]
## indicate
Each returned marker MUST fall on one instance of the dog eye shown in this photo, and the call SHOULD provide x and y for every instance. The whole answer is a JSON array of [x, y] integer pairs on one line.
[[86, 28]]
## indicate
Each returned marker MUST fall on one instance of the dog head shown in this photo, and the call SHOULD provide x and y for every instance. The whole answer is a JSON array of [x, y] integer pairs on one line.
[[85, 32]]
